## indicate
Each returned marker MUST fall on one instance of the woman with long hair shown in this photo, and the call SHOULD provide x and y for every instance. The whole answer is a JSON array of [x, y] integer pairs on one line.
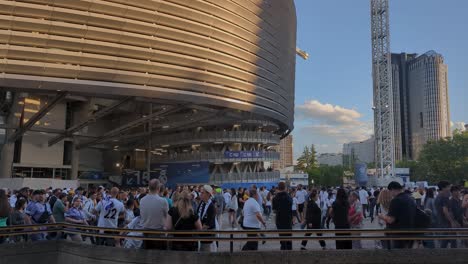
[[5, 211], [339, 214], [384, 200], [183, 217], [313, 218], [356, 216], [232, 208]]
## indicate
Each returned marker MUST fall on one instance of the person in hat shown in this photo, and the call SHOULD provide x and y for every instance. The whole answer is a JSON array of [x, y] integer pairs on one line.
[[207, 213], [39, 212]]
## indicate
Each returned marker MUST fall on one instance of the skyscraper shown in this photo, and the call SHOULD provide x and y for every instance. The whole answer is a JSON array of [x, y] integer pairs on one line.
[[285, 148], [421, 101]]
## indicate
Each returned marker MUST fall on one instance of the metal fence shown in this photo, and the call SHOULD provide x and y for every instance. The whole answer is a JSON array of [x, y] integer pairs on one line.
[[232, 236]]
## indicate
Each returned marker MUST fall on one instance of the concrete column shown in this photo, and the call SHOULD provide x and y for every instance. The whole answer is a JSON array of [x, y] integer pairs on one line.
[[6, 158], [149, 145], [8, 149], [75, 161]]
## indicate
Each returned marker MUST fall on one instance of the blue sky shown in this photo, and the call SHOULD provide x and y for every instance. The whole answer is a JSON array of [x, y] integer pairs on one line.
[[334, 87]]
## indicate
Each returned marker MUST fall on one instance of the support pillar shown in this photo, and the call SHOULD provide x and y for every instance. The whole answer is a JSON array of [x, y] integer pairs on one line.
[[6, 158], [75, 161], [149, 145], [8, 149]]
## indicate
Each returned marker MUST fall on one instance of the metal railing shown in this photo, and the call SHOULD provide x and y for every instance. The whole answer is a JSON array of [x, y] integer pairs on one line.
[[232, 236], [214, 157], [217, 136], [269, 176]]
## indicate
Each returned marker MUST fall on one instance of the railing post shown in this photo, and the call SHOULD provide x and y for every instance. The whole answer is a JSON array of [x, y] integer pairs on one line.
[[231, 243]]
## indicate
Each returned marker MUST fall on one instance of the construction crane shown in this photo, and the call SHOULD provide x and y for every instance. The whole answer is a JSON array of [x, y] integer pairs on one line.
[[384, 123], [302, 53]]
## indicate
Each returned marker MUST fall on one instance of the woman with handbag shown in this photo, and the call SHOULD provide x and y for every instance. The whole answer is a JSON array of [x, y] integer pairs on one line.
[[182, 217]]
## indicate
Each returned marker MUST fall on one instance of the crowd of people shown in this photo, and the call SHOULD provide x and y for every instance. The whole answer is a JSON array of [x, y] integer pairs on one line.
[[192, 208]]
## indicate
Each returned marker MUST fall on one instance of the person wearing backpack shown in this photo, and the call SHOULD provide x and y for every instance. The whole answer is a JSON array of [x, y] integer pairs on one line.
[[401, 214]]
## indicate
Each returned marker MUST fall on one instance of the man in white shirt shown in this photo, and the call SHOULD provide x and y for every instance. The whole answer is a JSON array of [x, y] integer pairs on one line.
[[227, 197], [252, 219], [109, 210], [364, 199], [301, 198]]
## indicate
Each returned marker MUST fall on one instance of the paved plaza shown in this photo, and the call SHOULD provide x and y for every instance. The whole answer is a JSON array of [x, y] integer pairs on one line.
[[275, 245]]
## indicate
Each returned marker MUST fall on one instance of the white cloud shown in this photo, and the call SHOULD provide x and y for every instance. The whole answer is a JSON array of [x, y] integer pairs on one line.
[[328, 113], [457, 125], [328, 127]]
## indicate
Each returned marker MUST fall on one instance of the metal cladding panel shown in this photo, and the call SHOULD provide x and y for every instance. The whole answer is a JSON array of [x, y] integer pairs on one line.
[[238, 54]]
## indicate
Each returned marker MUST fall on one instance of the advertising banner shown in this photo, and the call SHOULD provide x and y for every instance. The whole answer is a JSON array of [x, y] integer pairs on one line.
[[360, 174], [169, 174], [243, 154]]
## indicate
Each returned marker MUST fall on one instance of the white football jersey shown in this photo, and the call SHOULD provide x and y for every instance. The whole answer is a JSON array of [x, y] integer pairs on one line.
[[109, 211]]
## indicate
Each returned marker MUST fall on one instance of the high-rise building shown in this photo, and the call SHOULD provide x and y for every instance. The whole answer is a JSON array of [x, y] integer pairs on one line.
[[421, 101], [330, 159], [285, 149], [359, 151]]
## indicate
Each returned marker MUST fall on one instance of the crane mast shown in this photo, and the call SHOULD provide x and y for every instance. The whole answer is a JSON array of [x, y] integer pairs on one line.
[[384, 123]]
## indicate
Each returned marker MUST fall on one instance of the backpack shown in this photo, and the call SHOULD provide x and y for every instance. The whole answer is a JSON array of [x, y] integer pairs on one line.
[[421, 219]]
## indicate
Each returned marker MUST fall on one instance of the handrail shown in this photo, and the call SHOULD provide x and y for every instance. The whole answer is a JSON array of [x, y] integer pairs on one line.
[[4, 231], [232, 236]]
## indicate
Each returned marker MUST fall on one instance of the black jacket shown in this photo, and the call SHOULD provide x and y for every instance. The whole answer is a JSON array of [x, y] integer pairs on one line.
[[282, 205], [313, 215]]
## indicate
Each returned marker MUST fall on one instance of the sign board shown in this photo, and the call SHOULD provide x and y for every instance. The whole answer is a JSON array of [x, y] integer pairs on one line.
[[242, 154], [170, 174]]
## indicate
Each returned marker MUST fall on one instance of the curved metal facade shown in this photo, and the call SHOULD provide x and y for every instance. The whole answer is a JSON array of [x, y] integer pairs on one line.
[[238, 54]]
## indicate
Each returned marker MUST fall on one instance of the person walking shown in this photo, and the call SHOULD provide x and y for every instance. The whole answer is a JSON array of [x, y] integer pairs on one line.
[[219, 205], [109, 209], [232, 207], [76, 215], [355, 215], [153, 212], [444, 218], [401, 214], [313, 218], [207, 213], [384, 199], [252, 219], [364, 199], [182, 217], [301, 195], [39, 212], [339, 213], [282, 206]]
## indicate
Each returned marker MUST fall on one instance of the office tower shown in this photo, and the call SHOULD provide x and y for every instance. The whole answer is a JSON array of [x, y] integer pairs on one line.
[[421, 102]]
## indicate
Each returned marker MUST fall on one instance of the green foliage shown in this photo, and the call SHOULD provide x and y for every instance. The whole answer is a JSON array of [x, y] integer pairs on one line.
[[308, 159], [444, 159], [325, 175]]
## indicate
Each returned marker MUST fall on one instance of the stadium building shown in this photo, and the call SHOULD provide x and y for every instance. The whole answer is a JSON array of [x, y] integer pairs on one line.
[[188, 91]]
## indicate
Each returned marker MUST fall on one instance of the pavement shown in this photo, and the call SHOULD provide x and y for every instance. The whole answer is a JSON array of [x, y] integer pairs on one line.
[[275, 245]]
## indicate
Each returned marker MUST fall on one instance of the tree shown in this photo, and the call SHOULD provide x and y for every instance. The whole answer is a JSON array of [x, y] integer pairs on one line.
[[444, 159], [308, 159]]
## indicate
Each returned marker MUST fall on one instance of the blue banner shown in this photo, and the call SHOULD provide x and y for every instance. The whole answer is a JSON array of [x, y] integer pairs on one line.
[[247, 185], [243, 154], [360, 174], [169, 174]]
